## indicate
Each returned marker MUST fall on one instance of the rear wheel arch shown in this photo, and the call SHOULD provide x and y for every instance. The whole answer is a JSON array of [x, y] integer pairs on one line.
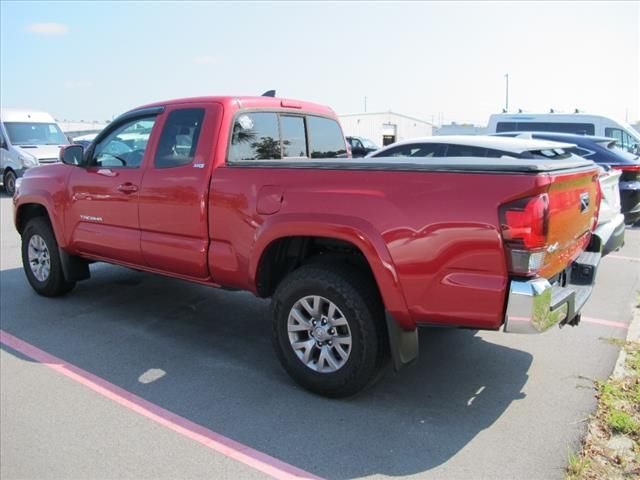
[[286, 254], [338, 244]]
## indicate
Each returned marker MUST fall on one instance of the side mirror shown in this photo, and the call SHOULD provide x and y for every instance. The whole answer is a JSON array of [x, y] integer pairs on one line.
[[72, 155], [3, 144]]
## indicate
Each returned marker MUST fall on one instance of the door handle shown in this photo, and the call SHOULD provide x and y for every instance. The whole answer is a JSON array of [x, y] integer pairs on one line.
[[127, 188]]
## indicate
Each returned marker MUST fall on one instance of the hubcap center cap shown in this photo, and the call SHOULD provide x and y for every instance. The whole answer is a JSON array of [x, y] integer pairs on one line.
[[321, 334]]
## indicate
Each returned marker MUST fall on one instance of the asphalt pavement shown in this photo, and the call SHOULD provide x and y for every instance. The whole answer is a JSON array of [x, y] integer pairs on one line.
[[475, 405]]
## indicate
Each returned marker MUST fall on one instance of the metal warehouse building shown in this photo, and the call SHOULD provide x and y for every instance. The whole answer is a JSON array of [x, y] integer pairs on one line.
[[384, 128]]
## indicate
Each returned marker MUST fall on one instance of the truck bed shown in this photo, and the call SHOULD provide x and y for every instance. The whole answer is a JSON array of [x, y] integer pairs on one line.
[[507, 165]]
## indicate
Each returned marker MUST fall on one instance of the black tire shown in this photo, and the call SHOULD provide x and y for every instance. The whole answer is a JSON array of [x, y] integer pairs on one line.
[[357, 297], [9, 182], [54, 285]]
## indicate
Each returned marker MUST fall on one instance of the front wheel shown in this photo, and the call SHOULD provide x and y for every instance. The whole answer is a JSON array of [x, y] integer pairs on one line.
[[9, 182], [328, 328], [41, 259]]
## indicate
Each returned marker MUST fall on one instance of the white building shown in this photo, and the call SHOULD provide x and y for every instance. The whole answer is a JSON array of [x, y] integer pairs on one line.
[[460, 129], [76, 129], [384, 128]]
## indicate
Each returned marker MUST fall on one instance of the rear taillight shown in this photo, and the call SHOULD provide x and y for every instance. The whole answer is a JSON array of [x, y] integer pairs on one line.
[[627, 168], [524, 225]]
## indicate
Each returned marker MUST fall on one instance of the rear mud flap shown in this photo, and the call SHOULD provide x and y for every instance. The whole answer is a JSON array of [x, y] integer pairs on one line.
[[402, 343]]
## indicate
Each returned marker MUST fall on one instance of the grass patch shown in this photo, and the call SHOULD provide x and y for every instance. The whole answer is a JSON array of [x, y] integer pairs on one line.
[[617, 416], [577, 466], [621, 422]]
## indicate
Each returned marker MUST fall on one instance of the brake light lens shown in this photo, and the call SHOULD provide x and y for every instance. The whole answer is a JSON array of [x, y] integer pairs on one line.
[[627, 168], [524, 225], [525, 221]]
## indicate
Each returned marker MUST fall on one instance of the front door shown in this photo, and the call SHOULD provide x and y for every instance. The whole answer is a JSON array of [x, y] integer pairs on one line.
[[103, 214]]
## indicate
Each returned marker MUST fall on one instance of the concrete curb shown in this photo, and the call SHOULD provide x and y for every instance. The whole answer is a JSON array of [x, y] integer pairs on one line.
[[633, 335]]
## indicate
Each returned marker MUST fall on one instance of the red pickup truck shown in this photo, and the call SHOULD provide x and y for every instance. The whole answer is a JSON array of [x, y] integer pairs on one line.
[[260, 194]]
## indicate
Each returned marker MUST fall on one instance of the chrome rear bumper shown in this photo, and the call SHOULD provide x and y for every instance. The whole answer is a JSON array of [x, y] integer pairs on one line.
[[534, 306]]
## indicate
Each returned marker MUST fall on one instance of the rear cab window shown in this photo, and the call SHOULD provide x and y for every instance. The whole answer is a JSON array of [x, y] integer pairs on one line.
[[326, 138], [267, 135]]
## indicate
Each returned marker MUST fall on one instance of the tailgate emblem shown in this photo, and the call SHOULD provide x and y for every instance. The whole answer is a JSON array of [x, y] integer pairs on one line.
[[584, 202]]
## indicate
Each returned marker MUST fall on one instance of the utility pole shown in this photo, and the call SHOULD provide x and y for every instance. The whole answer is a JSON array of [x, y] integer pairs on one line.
[[506, 103]]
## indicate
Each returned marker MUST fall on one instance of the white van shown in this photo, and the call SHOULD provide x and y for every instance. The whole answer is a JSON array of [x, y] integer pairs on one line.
[[579, 123], [27, 139]]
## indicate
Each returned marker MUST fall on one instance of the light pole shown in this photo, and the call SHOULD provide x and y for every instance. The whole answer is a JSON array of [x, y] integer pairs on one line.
[[506, 102]]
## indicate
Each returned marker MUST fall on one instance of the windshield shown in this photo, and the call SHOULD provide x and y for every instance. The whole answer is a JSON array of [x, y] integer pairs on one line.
[[27, 133], [368, 143]]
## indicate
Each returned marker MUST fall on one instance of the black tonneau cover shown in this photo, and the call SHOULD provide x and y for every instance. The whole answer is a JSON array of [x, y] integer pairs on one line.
[[450, 164]]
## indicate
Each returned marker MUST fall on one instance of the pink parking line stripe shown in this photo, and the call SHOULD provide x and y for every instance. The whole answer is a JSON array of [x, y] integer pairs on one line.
[[219, 443], [608, 323], [622, 257], [598, 321]]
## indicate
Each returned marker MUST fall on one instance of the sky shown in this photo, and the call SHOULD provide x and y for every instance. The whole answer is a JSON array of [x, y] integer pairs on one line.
[[438, 61]]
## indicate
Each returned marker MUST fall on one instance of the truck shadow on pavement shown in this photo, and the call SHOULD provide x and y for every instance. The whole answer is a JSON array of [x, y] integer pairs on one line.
[[211, 360]]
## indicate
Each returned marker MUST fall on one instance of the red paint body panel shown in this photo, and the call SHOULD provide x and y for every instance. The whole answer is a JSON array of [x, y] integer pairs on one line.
[[432, 239]]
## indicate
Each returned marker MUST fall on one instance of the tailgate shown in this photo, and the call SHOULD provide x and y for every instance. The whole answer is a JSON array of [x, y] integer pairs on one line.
[[573, 208]]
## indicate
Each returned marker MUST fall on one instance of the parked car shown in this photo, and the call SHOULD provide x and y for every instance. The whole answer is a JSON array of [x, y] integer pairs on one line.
[[610, 228], [84, 140], [355, 253], [360, 146], [27, 139], [605, 152], [575, 123]]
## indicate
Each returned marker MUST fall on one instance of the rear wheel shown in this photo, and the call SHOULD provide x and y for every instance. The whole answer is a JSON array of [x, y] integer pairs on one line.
[[9, 182], [41, 259], [328, 328]]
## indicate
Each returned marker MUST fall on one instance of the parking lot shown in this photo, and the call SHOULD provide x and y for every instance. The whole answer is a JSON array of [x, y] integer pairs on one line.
[[159, 378]]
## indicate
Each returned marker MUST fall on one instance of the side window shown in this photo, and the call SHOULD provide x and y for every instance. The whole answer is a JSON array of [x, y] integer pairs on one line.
[[577, 128], [294, 139], [325, 137], [179, 139], [125, 146], [465, 151], [580, 151], [356, 143], [413, 150], [399, 151], [255, 137], [624, 139], [506, 127]]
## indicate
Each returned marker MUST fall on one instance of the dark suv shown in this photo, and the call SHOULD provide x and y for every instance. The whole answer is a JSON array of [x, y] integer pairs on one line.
[[361, 147], [604, 152]]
